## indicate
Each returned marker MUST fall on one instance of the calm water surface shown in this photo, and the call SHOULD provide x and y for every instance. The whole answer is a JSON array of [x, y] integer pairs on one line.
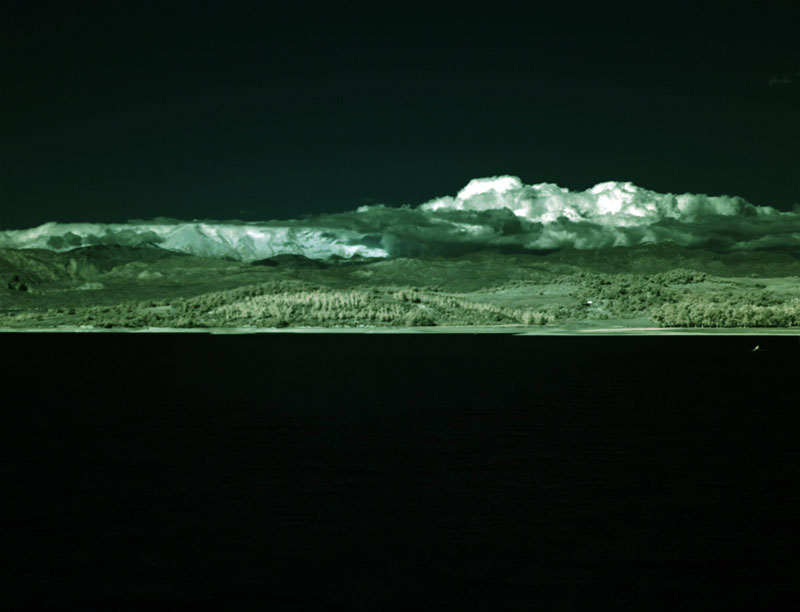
[[309, 471]]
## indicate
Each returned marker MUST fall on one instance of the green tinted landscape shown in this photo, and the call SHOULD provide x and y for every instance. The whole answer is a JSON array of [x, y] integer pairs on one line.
[[660, 286]]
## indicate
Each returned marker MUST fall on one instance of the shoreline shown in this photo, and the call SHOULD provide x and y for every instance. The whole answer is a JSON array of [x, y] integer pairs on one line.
[[453, 330]]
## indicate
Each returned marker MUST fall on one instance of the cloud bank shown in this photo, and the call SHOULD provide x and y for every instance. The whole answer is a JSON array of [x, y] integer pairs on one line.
[[496, 212]]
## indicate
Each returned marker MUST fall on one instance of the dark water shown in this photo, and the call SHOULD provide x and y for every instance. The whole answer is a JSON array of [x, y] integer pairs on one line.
[[353, 472]]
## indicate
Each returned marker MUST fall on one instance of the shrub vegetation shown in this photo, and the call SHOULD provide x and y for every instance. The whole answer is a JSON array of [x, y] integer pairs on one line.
[[676, 298], [294, 303]]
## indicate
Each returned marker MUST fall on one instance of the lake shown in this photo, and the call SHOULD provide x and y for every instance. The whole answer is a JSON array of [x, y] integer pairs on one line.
[[299, 471]]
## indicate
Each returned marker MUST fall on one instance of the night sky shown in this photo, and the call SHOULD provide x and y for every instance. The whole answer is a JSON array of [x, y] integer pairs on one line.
[[278, 110]]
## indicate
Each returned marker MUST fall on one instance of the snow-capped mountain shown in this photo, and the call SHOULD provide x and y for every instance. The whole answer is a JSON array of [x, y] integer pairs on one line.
[[490, 212], [235, 241]]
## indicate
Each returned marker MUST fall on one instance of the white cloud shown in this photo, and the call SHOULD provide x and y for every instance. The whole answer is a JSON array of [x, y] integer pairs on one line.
[[494, 212]]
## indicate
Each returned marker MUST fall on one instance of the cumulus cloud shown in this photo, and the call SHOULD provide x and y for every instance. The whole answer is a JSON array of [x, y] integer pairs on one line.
[[498, 212]]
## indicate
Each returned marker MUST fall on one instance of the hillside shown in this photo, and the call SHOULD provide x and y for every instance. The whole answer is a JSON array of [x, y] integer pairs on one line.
[[138, 287]]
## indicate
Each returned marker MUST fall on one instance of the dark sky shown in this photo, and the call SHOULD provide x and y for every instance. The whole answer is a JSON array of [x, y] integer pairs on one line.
[[274, 110]]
